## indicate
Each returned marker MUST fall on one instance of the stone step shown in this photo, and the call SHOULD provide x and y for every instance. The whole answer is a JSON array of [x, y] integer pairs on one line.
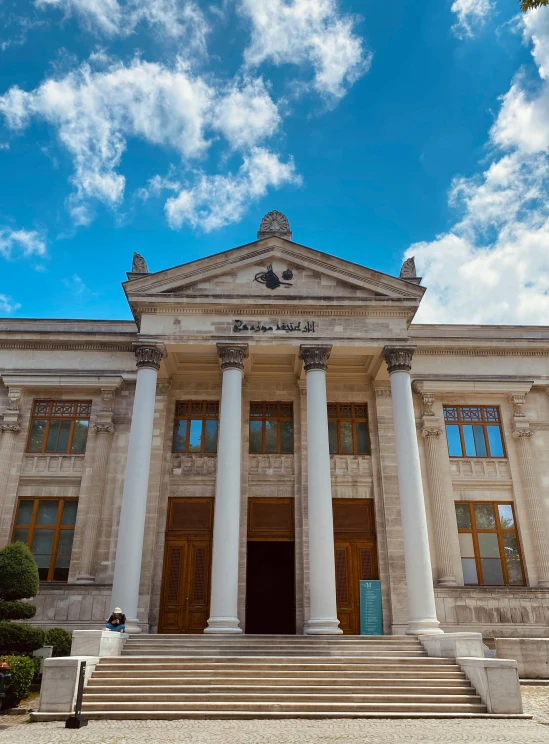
[[243, 637], [150, 683], [438, 713], [270, 652], [157, 691], [205, 708], [292, 675], [255, 662]]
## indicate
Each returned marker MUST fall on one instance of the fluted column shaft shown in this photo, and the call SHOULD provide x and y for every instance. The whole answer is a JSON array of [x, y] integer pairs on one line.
[[129, 547], [439, 505], [9, 429], [323, 603], [103, 429], [422, 617], [535, 508], [226, 534]]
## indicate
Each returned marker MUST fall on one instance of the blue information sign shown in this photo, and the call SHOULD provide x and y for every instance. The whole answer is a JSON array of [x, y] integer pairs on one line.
[[371, 618]]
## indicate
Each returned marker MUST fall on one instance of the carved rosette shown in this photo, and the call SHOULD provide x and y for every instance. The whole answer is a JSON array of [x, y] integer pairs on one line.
[[7, 426], [148, 357], [315, 357], [398, 358], [103, 427], [232, 357]]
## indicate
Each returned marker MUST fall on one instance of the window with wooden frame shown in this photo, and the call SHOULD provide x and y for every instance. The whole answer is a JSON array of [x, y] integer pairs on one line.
[[348, 429], [473, 431], [489, 543], [271, 428], [59, 426], [47, 527], [195, 426]]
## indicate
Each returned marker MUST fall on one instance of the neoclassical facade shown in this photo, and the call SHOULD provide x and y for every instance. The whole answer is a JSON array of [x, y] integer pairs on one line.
[[271, 428]]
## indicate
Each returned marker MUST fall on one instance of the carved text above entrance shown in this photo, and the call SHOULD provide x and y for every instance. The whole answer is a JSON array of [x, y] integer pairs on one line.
[[305, 326]]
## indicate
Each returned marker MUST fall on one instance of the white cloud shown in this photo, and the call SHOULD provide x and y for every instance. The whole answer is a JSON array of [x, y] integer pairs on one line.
[[470, 13], [307, 32], [246, 114], [493, 265], [222, 199], [7, 305], [175, 18], [77, 286], [157, 184], [27, 242]]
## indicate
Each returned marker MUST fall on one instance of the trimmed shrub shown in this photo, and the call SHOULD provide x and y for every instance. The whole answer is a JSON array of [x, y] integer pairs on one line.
[[60, 639], [16, 610], [19, 638], [18, 687], [18, 580]]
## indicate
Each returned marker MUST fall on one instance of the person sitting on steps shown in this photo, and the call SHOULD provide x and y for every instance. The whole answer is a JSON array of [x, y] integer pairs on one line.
[[117, 621]]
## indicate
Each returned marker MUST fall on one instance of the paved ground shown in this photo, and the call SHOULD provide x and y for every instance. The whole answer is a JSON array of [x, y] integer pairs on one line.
[[455, 731]]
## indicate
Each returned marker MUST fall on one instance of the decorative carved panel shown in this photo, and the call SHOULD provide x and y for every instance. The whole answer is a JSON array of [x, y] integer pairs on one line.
[[270, 519], [190, 515], [53, 465], [479, 469], [271, 465], [193, 464], [353, 465], [354, 517]]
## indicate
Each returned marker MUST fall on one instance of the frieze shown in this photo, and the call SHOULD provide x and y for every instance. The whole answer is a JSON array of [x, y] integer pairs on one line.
[[300, 326]]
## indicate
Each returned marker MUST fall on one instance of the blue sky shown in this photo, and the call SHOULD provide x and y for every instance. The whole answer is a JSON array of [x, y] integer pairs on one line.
[[169, 127]]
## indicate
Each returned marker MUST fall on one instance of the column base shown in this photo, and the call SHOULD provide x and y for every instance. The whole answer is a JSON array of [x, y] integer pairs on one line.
[[85, 579], [323, 626], [132, 626], [423, 627], [223, 625], [447, 581], [543, 584]]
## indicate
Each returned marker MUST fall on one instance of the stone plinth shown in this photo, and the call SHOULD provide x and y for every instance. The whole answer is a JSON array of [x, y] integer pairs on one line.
[[496, 681], [60, 682], [531, 655], [97, 643], [452, 645]]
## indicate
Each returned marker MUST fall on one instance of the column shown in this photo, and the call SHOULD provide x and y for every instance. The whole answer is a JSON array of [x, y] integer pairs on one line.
[[422, 616], [323, 606], [129, 548], [226, 534], [9, 429], [443, 520], [103, 428], [537, 518]]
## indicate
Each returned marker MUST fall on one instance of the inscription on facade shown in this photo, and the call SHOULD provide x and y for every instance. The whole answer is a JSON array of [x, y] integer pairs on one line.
[[300, 326]]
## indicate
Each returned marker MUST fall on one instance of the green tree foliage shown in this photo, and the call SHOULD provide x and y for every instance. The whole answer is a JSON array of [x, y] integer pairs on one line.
[[18, 575], [60, 639], [18, 638], [22, 671], [531, 4]]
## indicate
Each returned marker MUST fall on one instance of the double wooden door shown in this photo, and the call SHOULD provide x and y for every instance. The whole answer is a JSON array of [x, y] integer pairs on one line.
[[355, 557], [186, 578]]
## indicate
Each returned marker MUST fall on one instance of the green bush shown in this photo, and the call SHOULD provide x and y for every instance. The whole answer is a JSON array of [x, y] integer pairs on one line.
[[60, 639], [19, 638], [18, 580], [18, 687], [16, 610]]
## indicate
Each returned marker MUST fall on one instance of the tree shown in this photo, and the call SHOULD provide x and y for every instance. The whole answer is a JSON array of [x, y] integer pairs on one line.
[[531, 4], [18, 580]]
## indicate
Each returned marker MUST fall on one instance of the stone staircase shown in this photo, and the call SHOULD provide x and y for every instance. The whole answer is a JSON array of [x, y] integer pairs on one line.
[[211, 676]]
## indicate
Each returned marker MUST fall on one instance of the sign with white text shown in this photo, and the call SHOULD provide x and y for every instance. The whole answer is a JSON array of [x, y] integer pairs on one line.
[[371, 618]]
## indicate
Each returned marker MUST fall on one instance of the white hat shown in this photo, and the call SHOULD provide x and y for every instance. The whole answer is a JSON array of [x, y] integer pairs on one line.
[[117, 609]]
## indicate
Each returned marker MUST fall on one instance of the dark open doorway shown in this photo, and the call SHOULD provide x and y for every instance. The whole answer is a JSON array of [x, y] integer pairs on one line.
[[270, 587]]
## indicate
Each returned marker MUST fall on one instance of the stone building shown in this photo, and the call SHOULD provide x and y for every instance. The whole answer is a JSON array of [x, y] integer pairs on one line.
[[269, 430]]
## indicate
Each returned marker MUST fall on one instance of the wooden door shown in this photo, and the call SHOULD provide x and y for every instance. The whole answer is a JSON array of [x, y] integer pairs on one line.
[[185, 592], [355, 557]]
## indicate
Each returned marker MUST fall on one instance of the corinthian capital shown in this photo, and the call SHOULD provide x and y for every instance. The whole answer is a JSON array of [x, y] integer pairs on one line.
[[148, 357], [232, 356], [315, 357], [398, 358]]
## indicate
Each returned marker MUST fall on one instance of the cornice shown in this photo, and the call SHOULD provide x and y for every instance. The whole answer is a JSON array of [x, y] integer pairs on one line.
[[471, 385], [103, 380], [62, 345], [481, 352], [272, 310]]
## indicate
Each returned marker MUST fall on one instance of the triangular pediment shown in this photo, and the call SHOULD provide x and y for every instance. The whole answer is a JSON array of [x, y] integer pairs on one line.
[[275, 270]]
